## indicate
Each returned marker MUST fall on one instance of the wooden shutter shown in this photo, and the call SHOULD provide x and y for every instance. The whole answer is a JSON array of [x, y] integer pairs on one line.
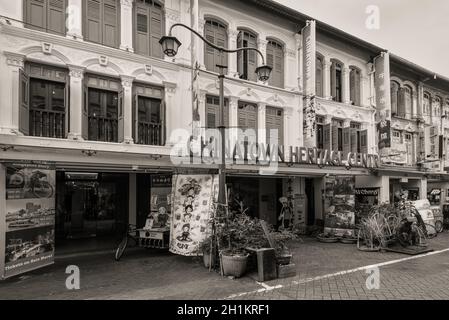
[[274, 120], [93, 21], [56, 16], [85, 112], [121, 117], [252, 58], [353, 139], [319, 77], [334, 137], [394, 98], [354, 84], [156, 32], [110, 23], [334, 81], [209, 52], [401, 103], [275, 59], [346, 140], [24, 103], [135, 116], [364, 141], [327, 137], [142, 30], [67, 107], [36, 14]]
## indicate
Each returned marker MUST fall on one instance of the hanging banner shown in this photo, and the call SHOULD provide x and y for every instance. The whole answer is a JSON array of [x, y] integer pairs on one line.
[[193, 199], [29, 219], [383, 99], [339, 205], [309, 84]]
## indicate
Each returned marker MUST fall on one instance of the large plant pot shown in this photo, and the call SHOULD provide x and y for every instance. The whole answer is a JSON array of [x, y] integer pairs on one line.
[[284, 259], [234, 265]]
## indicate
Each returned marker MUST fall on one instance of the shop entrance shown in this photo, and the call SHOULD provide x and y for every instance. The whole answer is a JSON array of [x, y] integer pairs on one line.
[[310, 194], [91, 205]]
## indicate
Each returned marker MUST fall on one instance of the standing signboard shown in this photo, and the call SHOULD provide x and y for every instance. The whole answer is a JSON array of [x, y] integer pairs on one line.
[[28, 218]]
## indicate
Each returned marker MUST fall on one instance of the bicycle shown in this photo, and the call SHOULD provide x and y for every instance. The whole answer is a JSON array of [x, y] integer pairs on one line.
[[131, 233]]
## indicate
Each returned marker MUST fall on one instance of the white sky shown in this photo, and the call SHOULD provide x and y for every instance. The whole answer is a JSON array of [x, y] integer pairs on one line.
[[417, 30]]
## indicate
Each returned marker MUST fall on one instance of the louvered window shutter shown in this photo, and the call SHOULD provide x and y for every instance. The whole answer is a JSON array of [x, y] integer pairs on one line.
[[401, 102], [334, 81], [135, 115], [142, 28], [110, 23], [85, 112], [209, 52], [156, 30], [93, 21], [353, 142], [56, 17], [364, 141], [327, 137], [319, 77], [346, 140], [36, 14], [24, 103], [334, 138], [252, 59], [394, 98]]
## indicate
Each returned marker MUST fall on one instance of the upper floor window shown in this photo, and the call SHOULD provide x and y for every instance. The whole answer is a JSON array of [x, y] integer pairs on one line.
[[213, 112], [44, 106], [319, 77], [426, 104], [437, 107], [149, 27], [274, 124], [46, 15], [354, 86], [394, 91], [215, 32], [275, 59], [148, 115], [101, 22], [336, 80], [247, 60], [408, 102]]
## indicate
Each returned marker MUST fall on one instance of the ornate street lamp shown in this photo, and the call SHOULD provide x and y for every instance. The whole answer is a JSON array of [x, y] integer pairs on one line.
[[170, 46]]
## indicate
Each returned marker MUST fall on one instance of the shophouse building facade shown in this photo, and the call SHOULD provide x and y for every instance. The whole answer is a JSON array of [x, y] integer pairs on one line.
[[86, 87]]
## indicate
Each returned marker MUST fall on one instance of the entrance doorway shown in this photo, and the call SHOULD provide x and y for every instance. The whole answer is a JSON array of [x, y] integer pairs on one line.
[[310, 194], [91, 205]]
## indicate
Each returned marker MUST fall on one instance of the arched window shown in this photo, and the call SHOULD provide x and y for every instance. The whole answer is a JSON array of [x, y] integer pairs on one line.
[[394, 86], [437, 107], [247, 60], [408, 102], [426, 104], [149, 27], [337, 80], [275, 59], [319, 76], [215, 32], [354, 86]]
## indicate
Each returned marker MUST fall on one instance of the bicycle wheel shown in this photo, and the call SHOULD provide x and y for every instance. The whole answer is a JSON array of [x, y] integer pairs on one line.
[[439, 226], [121, 248]]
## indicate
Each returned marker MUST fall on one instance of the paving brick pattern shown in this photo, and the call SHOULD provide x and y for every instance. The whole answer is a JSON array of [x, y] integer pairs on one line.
[[149, 274]]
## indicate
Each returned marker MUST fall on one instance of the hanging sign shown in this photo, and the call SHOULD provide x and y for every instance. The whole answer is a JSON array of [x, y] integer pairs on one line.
[[309, 84], [192, 204], [28, 225], [383, 99]]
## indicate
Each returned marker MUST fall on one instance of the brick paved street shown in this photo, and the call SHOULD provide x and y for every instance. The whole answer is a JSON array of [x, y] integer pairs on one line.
[[156, 275]]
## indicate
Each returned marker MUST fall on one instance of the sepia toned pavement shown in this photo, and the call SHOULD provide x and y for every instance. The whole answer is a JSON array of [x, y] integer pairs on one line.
[[324, 271]]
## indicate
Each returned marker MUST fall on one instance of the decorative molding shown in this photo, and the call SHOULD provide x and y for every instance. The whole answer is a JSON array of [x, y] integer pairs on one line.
[[233, 33], [47, 48], [201, 24], [262, 43], [172, 15], [149, 69], [127, 81], [103, 61], [76, 71], [126, 3], [14, 59], [170, 87], [290, 53]]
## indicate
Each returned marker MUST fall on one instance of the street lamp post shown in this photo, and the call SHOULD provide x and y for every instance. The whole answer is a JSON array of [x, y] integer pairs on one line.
[[170, 46]]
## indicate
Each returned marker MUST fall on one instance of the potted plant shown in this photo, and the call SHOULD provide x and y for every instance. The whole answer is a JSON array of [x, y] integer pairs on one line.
[[280, 239], [327, 237]]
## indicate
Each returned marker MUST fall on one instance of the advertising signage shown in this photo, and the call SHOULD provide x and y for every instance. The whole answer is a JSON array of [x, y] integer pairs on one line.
[[28, 225]]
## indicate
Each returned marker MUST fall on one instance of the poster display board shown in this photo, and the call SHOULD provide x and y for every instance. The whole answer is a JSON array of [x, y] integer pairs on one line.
[[425, 210], [192, 205], [161, 193], [365, 199], [28, 220], [339, 205]]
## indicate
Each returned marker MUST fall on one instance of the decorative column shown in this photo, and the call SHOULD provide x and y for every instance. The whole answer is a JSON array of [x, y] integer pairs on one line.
[[346, 85], [232, 58], [298, 40], [233, 120], [261, 123], [126, 25], [10, 92], [363, 89], [289, 64], [127, 85], [199, 44], [171, 112], [327, 78], [75, 20], [76, 75]]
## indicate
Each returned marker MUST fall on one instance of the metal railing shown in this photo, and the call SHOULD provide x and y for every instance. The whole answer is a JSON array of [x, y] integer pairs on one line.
[[150, 133], [103, 129], [50, 124]]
